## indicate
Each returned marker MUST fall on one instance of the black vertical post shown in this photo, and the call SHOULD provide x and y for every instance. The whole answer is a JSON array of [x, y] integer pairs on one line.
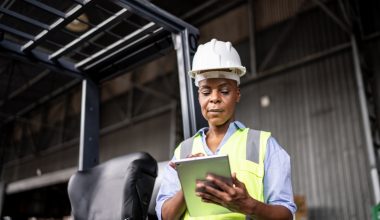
[[89, 128], [2, 195], [185, 44]]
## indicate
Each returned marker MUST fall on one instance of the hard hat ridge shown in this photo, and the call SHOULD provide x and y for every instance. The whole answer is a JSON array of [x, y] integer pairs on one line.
[[216, 59]]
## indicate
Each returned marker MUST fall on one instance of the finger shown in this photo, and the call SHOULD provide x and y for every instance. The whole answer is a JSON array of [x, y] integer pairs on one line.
[[206, 197], [196, 155], [236, 181], [216, 195], [199, 186], [221, 179], [223, 183], [172, 165], [208, 201], [233, 175], [203, 197]]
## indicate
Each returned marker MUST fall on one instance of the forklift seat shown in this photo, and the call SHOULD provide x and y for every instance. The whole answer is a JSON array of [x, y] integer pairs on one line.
[[117, 189], [152, 205]]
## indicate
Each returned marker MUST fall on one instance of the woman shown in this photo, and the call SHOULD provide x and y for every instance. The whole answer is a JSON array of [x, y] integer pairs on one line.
[[261, 181]]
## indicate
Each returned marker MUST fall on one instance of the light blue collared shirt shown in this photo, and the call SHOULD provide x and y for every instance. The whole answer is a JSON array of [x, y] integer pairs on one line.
[[277, 178]]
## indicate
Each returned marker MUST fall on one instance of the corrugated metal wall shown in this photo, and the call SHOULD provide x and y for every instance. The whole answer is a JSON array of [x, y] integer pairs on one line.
[[314, 114], [310, 32]]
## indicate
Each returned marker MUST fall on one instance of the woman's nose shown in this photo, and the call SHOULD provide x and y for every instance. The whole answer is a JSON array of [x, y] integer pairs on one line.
[[215, 98]]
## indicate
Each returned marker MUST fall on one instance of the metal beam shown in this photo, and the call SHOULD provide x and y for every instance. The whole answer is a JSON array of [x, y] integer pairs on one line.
[[252, 35], [10, 69], [47, 179], [2, 194], [101, 55], [60, 23], [102, 26], [284, 34], [41, 101], [46, 8], [157, 15], [89, 42], [199, 8], [60, 46], [66, 66], [294, 64], [89, 127], [25, 86], [136, 119], [191, 114], [153, 92], [134, 55], [104, 131], [16, 32], [173, 129], [345, 14], [333, 16], [81, 2], [216, 11], [25, 18], [365, 121]]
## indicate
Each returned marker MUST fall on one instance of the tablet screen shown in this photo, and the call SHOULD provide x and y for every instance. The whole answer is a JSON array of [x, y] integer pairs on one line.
[[192, 169]]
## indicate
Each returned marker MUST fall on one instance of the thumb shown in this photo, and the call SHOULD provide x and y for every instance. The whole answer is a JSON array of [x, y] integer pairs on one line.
[[172, 165], [235, 180]]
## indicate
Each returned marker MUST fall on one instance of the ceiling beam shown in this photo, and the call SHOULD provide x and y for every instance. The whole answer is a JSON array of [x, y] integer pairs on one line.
[[101, 55], [60, 23], [102, 26], [40, 57], [16, 32], [155, 14], [333, 16], [40, 101], [46, 8], [24, 18], [25, 86]]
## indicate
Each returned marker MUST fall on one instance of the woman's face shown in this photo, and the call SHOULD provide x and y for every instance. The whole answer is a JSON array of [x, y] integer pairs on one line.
[[217, 98]]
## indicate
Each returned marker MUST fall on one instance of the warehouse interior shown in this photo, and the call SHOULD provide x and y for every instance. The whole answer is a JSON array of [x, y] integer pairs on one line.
[[313, 76]]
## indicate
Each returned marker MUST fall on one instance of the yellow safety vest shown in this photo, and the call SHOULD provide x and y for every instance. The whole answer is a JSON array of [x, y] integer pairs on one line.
[[246, 151]]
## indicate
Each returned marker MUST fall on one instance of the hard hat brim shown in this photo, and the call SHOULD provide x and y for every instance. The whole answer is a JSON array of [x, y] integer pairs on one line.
[[240, 70]]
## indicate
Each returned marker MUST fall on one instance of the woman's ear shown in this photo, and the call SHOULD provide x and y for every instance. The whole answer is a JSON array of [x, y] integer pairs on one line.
[[238, 95]]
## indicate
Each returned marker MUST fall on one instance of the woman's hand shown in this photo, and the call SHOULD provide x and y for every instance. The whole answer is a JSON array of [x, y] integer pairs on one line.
[[234, 196], [172, 164], [231, 194]]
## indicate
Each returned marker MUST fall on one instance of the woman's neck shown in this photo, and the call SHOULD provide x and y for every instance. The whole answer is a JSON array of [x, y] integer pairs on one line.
[[215, 135]]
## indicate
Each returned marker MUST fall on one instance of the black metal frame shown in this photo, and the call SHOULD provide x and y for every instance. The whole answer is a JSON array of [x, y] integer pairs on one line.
[[151, 40]]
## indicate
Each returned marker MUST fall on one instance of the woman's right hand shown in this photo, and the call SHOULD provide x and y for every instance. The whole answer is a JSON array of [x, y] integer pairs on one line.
[[172, 164]]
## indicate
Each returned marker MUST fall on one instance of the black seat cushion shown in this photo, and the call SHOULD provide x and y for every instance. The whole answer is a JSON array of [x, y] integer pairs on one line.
[[120, 188], [152, 215]]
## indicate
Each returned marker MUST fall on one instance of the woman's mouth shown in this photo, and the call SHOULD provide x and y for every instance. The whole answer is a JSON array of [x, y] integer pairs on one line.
[[215, 110]]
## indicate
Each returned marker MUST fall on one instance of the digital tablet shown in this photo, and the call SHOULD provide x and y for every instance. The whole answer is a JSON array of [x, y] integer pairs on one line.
[[192, 169]]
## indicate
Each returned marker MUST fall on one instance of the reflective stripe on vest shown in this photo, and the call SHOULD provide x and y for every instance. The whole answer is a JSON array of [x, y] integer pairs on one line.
[[246, 143], [252, 154]]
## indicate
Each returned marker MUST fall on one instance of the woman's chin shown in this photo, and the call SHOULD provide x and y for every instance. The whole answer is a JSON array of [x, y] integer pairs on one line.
[[217, 122]]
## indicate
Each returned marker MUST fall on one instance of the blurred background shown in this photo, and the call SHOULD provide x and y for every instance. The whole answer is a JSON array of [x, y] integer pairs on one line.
[[313, 81]]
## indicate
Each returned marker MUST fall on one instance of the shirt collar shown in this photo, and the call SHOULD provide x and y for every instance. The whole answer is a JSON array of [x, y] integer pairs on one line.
[[238, 125]]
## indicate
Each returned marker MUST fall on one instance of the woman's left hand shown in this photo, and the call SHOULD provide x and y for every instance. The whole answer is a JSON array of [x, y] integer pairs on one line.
[[231, 194]]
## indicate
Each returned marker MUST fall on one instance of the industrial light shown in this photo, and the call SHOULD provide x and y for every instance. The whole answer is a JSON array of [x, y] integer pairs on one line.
[[78, 25], [265, 101]]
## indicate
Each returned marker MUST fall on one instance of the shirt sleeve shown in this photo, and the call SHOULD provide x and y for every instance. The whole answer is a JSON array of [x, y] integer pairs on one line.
[[277, 179], [170, 185]]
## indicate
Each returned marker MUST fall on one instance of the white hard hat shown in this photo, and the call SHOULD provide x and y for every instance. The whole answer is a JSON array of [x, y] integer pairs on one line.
[[216, 59]]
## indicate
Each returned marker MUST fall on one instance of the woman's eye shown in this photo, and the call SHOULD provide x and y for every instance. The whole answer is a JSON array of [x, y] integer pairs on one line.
[[205, 92], [225, 92]]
